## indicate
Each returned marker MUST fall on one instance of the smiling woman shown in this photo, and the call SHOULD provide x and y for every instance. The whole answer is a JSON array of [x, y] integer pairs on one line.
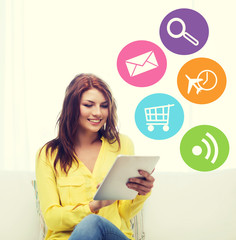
[[81, 95], [70, 167]]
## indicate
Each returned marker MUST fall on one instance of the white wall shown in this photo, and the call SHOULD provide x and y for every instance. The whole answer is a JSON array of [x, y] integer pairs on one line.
[[64, 38]]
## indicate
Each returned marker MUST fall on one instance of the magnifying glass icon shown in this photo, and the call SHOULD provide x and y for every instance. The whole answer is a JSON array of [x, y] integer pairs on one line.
[[183, 33]]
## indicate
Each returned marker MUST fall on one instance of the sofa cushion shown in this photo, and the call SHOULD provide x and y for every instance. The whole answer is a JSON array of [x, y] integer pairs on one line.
[[18, 210], [192, 206]]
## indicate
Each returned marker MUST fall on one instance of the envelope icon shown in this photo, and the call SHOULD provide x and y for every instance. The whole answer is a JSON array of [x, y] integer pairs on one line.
[[141, 63]]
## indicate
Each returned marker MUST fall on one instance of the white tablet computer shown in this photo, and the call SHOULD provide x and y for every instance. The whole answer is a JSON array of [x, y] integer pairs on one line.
[[114, 186]]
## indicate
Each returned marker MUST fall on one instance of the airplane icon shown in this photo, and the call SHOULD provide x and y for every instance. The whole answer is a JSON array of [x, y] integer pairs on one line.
[[194, 82]]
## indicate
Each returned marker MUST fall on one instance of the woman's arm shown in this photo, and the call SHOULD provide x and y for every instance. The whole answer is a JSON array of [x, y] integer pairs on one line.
[[129, 208]]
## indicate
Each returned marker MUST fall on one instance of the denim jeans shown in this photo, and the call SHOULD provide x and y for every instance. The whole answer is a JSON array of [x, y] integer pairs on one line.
[[95, 227]]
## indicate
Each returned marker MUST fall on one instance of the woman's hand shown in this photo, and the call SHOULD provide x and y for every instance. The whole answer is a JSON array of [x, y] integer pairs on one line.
[[141, 185], [95, 205]]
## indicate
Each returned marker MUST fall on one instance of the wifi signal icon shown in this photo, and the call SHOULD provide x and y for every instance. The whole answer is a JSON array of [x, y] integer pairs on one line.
[[204, 148], [197, 150]]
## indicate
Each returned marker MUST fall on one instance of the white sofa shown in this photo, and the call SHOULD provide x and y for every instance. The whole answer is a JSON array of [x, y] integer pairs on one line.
[[183, 206], [19, 218]]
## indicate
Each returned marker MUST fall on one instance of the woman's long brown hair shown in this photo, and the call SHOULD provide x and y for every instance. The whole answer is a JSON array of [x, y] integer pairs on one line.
[[68, 119]]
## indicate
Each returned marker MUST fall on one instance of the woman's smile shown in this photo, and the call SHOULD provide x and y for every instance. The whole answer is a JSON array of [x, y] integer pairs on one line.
[[95, 121]]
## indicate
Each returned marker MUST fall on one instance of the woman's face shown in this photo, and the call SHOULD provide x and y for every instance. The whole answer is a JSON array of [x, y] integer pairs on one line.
[[93, 110]]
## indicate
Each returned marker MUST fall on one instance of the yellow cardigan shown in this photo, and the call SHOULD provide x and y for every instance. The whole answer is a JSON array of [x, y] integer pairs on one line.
[[64, 199]]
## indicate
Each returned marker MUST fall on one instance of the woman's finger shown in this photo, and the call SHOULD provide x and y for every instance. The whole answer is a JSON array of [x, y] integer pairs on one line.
[[148, 176], [143, 182], [139, 188]]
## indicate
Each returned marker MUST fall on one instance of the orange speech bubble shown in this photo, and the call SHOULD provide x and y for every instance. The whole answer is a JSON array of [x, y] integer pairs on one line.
[[201, 80]]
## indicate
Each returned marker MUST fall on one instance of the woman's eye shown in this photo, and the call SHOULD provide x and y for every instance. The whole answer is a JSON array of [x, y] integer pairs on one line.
[[104, 106], [88, 105]]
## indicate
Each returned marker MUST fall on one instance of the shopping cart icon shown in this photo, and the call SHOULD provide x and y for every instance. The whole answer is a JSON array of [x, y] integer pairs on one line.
[[158, 116]]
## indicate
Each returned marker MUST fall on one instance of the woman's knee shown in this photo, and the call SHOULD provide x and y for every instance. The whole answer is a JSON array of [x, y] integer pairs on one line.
[[90, 221], [88, 228]]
